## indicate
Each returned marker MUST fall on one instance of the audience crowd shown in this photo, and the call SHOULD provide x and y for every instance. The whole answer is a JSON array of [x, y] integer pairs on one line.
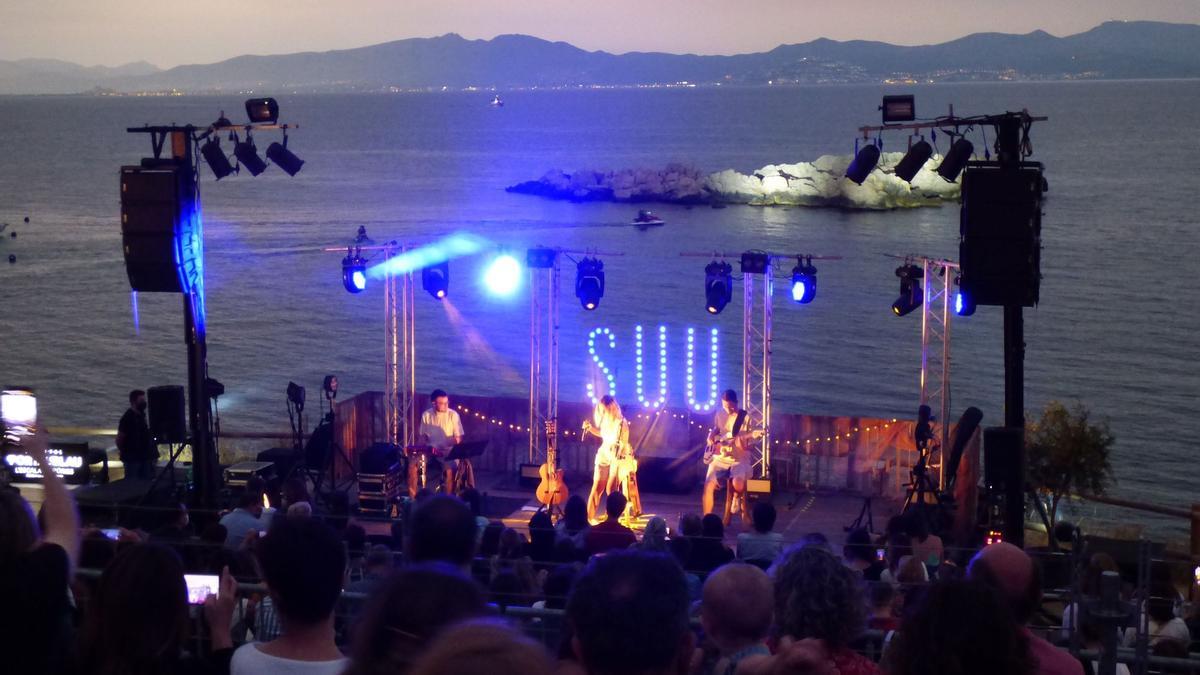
[[437, 595]]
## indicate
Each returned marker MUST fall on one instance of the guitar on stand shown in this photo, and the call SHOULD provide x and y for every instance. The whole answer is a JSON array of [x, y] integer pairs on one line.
[[552, 490]]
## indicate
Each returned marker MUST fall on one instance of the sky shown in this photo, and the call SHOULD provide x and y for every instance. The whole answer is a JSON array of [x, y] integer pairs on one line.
[[170, 32]]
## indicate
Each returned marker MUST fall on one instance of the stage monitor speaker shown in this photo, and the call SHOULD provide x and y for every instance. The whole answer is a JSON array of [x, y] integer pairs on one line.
[[1000, 229], [529, 476], [1004, 476], [152, 210], [168, 419]]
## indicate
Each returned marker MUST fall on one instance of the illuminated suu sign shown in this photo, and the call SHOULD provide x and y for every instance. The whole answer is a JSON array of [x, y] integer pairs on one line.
[[701, 387], [69, 461]]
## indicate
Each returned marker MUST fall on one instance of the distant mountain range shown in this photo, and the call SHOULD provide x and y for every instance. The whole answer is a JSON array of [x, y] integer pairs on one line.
[[1113, 50]]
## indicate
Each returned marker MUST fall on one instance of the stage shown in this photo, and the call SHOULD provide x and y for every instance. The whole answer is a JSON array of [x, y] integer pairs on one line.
[[799, 512]]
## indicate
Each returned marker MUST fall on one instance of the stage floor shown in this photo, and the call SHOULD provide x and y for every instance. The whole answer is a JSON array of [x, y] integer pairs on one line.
[[799, 513]]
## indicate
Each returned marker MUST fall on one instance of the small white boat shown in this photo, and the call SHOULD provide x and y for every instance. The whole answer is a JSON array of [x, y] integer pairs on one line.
[[497, 102], [647, 219]]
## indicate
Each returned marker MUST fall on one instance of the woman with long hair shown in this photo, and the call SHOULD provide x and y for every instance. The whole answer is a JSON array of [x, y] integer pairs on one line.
[[606, 424], [137, 621]]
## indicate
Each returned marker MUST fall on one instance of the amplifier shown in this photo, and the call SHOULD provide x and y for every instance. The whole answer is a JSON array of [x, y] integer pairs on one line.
[[237, 475], [758, 486]]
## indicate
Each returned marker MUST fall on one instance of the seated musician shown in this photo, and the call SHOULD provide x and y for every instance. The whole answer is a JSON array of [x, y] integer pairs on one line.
[[441, 429], [731, 460]]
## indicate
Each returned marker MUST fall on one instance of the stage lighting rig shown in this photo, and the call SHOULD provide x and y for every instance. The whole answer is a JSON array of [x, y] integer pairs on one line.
[[911, 295], [215, 157], [918, 153], [262, 110], [284, 158], [864, 162], [804, 281], [247, 156], [354, 270], [956, 160], [435, 279], [902, 108], [589, 282], [718, 285]]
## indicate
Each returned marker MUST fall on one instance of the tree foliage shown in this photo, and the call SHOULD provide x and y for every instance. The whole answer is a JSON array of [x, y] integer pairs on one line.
[[1066, 453]]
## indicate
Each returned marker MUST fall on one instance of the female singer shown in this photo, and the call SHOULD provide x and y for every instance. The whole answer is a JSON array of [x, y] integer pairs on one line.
[[606, 424]]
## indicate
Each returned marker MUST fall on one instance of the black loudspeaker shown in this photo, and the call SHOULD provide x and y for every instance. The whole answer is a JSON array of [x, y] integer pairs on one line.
[[168, 419], [1000, 229], [1004, 476], [152, 210]]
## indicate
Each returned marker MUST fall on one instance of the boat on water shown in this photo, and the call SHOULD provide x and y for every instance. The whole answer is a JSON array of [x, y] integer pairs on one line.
[[647, 219], [497, 102]]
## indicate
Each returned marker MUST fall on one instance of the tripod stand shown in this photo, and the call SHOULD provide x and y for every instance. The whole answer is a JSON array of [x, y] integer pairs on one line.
[[923, 494]]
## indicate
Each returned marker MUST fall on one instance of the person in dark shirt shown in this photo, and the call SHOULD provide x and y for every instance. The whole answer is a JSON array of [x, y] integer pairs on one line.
[[709, 550], [610, 534], [137, 449], [35, 568]]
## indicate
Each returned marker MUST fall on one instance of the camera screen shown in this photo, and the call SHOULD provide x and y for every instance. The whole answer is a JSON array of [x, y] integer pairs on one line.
[[200, 586], [18, 409]]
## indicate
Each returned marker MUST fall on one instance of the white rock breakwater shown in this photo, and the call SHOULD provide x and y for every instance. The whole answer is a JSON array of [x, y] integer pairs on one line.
[[818, 183]]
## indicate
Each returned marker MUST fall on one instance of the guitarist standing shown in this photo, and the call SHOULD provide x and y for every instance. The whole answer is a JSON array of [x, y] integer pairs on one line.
[[730, 458]]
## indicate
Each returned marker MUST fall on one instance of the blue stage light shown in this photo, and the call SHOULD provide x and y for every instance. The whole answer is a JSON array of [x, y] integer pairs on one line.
[[354, 272], [435, 279], [503, 275], [964, 304], [589, 283], [804, 281], [718, 286]]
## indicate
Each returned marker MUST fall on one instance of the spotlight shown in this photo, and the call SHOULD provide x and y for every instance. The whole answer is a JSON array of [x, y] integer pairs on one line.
[[213, 387], [503, 275], [354, 272], [217, 161], [718, 286], [964, 302], [330, 386], [262, 110], [955, 160], [911, 295], [900, 108], [589, 282], [247, 154], [804, 281], [295, 395], [918, 153], [435, 279], [283, 158], [864, 162]]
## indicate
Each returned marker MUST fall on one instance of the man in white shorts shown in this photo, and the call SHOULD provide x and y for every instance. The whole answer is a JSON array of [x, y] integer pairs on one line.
[[731, 459]]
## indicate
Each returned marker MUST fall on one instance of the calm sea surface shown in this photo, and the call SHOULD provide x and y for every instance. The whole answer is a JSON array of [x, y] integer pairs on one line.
[[1116, 329]]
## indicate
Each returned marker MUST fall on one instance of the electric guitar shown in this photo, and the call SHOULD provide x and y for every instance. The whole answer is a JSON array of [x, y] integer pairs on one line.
[[551, 490], [723, 447]]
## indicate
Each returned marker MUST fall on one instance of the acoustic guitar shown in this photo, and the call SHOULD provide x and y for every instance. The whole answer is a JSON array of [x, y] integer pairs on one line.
[[551, 491]]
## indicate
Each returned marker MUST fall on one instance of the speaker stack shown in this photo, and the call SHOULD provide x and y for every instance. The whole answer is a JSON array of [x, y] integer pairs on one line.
[[168, 419], [1004, 477]]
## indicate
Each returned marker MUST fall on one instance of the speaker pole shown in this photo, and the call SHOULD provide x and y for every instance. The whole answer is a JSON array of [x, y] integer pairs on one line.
[[204, 453]]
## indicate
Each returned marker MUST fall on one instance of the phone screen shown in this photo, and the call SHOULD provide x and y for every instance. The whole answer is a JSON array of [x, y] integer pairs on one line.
[[112, 533], [1197, 573], [18, 410], [200, 586], [880, 554]]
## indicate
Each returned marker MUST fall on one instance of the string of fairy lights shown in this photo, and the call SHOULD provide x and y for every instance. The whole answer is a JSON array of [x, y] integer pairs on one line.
[[807, 443]]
